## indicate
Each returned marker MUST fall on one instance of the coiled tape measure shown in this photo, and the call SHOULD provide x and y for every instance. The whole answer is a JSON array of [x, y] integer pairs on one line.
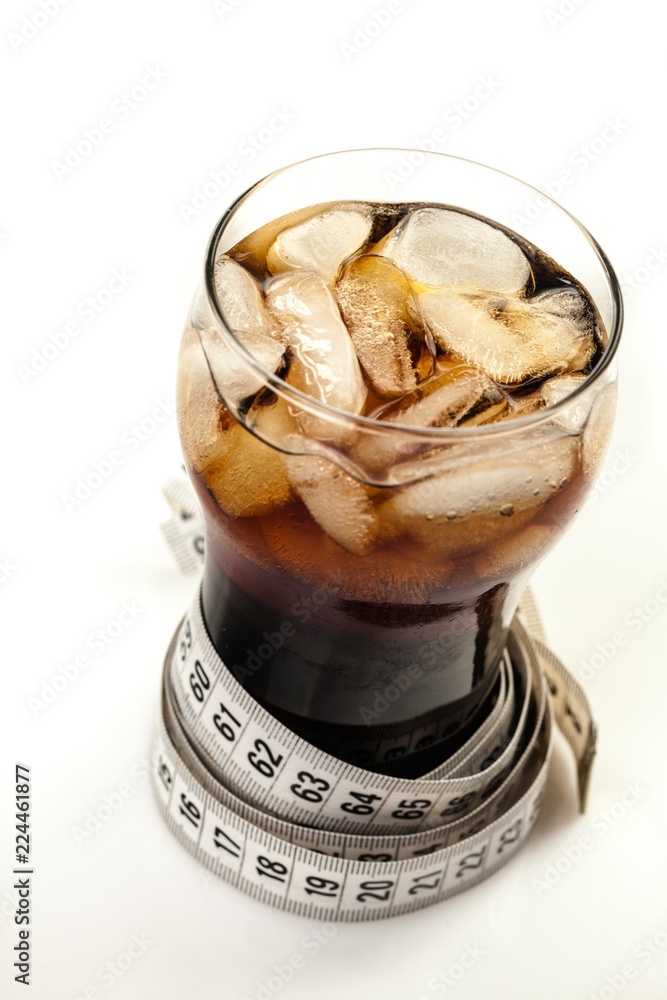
[[297, 828]]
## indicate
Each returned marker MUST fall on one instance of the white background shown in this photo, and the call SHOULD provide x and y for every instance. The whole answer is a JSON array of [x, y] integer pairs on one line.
[[552, 83]]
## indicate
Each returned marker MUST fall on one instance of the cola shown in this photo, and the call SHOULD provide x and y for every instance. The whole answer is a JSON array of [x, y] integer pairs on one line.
[[390, 413]]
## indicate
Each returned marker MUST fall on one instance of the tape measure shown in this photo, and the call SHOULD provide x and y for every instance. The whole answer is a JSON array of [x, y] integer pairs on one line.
[[297, 828]]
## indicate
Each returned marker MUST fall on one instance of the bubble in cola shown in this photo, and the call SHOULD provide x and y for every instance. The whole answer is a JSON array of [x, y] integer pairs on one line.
[[387, 431]]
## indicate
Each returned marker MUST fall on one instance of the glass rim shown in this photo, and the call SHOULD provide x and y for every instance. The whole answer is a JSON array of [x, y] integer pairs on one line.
[[442, 434]]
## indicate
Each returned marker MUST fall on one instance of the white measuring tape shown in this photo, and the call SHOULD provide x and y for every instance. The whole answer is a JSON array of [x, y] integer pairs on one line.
[[297, 828]]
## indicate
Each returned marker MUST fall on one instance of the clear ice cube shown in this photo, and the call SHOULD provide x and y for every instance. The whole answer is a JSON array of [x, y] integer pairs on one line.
[[573, 416], [321, 243], [337, 502], [240, 299], [466, 508], [437, 246], [244, 311], [247, 477], [323, 362], [569, 303], [459, 396], [597, 433], [512, 340], [377, 305], [202, 419], [510, 555]]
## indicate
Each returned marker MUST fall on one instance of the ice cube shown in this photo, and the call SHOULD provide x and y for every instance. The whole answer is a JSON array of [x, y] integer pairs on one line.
[[458, 396], [464, 509], [377, 305], [249, 478], [512, 340], [323, 361], [461, 395], [598, 432], [570, 303], [573, 417], [437, 246], [521, 406], [202, 419], [509, 556], [240, 299], [245, 313], [337, 502], [322, 243], [297, 545]]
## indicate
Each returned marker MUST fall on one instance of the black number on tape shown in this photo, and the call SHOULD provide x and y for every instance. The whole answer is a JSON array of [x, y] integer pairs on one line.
[[470, 831], [492, 787], [509, 836], [393, 752], [427, 850], [219, 838], [190, 810], [272, 869], [470, 862], [425, 741], [414, 809], [310, 788], [429, 881], [316, 886], [374, 857], [492, 758], [199, 681], [458, 804], [186, 641], [375, 890], [362, 807], [267, 768], [166, 777], [224, 727]]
